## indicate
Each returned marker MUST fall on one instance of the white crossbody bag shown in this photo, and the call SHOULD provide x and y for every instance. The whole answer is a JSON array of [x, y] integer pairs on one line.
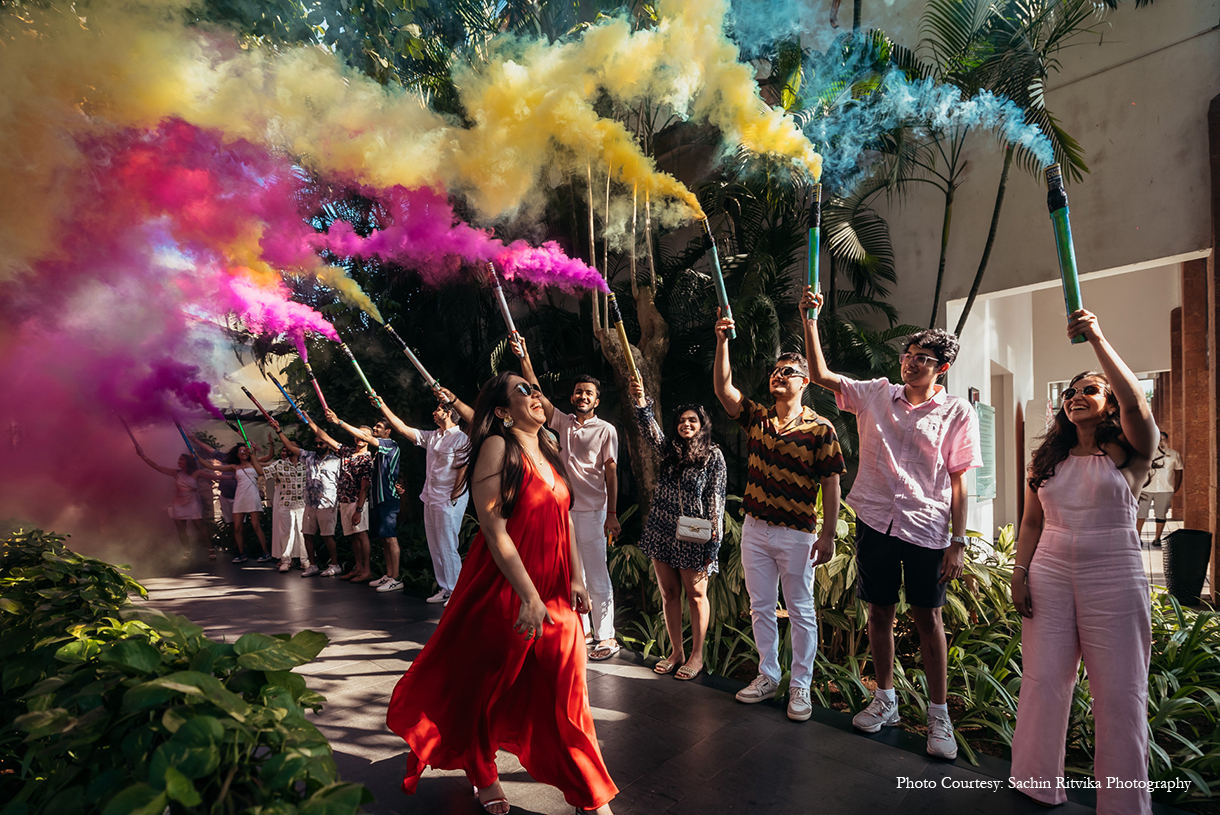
[[692, 530]]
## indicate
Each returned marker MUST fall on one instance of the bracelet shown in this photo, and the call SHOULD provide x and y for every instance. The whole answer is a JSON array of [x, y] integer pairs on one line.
[[1022, 568]]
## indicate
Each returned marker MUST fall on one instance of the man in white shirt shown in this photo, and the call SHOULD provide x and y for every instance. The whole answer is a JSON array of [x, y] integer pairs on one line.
[[589, 447], [1165, 480], [442, 512]]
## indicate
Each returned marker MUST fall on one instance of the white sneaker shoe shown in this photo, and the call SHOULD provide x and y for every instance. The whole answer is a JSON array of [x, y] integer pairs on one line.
[[285, 565], [441, 596], [390, 585], [331, 570], [941, 742], [878, 714], [760, 689], [800, 708], [310, 571], [381, 581]]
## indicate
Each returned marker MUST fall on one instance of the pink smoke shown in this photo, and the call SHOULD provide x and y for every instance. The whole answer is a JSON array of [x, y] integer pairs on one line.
[[268, 309]]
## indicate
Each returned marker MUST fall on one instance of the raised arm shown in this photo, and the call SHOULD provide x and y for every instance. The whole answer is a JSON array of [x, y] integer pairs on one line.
[[649, 428], [819, 373], [323, 436], [355, 432], [517, 344], [485, 493], [288, 443], [203, 447], [154, 465], [449, 397], [722, 374], [1138, 425], [398, 424]]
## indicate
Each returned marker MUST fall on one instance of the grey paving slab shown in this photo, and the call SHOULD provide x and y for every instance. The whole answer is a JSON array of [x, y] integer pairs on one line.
[[681, 747]]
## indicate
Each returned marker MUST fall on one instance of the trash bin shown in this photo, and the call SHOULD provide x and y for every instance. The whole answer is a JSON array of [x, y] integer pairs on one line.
[[1186, 555]]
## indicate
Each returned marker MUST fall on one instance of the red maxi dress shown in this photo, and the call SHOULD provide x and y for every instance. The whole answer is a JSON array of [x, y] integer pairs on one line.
[[479, 686]]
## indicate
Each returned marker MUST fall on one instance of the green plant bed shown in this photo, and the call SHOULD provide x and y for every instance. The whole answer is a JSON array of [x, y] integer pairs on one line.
[[117, 709]]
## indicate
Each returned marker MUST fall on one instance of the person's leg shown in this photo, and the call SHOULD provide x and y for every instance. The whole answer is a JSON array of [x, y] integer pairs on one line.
[[450, 532], [762, 583], [934, 651], [591, 542], [389, 546], [670, 583], [281, 535], [881, 643], [1141, 512], [879, 577], [921, 568], [796, 576], [183, 538], [239, 528], [256, 520], [364, 550], [695, 583]]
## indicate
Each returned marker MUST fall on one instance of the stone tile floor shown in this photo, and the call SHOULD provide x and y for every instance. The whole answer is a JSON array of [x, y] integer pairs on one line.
[[681, 747]]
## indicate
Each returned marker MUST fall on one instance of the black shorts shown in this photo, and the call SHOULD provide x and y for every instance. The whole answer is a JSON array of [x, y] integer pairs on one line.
[[384, 523], [884, 563]]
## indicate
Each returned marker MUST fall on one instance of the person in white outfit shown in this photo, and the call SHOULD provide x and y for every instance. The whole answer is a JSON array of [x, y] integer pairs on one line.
[[442, 511], [247, 500], [1157, 494], [288, 506], [321, 501]]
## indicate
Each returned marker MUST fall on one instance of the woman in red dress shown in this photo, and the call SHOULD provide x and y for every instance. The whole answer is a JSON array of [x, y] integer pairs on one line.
[[506, 666]]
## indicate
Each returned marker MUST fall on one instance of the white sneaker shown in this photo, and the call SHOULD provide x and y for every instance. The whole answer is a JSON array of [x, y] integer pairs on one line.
[[390, 585], [310, 571], [941, 742], [381, 581], [285, 565], [441, 596], [878, 714], [800, 708], [331, 570], [760, 689]]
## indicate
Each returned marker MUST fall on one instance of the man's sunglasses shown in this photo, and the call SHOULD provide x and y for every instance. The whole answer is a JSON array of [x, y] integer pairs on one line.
[[922, 360], [1087, 390], [786, 371], [525, 389]]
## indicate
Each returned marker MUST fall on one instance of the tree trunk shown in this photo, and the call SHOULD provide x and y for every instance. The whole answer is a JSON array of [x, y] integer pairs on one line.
[[944, 248], [995, 220]]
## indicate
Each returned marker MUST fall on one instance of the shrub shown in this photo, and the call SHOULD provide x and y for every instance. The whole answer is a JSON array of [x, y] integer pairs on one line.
[[116, 709]]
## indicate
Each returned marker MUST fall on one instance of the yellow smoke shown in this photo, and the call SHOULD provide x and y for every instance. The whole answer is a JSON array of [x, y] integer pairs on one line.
[[348, 290]]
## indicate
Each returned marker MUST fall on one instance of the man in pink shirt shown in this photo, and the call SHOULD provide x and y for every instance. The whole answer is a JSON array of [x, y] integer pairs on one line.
[[916, 445]]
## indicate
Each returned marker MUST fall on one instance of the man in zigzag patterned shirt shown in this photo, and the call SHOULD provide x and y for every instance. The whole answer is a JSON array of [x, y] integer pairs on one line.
[[789, 447]]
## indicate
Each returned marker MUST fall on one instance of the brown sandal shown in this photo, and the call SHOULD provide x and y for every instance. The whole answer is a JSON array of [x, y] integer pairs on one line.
[[665, 666], [686, 674]]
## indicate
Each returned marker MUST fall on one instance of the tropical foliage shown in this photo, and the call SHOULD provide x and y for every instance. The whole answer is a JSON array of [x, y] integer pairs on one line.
[[113, 708]]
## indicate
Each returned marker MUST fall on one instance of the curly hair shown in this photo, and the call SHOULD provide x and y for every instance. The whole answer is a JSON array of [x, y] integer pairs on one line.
[[940, 342], [1061, 437], [679, 453]]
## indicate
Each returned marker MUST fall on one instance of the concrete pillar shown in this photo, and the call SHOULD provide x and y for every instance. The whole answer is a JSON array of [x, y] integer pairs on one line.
[[1174, 422], [1213, 314]]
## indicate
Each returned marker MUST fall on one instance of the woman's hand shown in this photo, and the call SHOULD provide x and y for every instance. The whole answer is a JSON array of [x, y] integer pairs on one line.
[[636, 388], [531, 618], [1084, 322], [1021, 598], [580, 598]]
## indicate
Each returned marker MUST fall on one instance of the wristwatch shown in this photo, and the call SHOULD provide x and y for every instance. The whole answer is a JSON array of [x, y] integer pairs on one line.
[[959, 539]]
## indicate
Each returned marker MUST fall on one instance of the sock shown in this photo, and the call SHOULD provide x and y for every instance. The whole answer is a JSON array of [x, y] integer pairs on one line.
[[938, 711], [886, 694]]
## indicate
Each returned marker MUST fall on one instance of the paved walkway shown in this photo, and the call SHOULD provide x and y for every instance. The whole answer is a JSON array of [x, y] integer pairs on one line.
[[681, 747]]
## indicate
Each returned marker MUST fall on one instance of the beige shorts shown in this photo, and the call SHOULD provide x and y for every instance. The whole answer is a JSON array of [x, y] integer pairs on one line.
[[321, 521], [346, 511]]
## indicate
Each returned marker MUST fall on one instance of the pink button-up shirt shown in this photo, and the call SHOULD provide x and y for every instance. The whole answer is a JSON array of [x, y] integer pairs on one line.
[[906, 455]]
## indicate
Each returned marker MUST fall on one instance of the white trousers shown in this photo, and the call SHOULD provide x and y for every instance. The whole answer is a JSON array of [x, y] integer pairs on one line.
[[288, 533], [589, 529], [442, 523], [773, 556]]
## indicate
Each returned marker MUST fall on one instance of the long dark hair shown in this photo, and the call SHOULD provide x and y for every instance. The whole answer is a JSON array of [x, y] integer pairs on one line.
[[495, 394], [679, 453], [231, 456], [1060, 437]]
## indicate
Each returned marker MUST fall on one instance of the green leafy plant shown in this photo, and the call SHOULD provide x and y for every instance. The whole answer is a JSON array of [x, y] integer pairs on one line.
[[114, 708]]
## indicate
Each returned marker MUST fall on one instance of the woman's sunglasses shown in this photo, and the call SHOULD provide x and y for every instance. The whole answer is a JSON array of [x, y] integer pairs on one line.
[[525, 389], [1087, 390]]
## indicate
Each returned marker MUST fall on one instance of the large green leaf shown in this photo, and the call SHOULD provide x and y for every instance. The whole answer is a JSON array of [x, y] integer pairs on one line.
[[138, 799], [137, 655], [260, 652]]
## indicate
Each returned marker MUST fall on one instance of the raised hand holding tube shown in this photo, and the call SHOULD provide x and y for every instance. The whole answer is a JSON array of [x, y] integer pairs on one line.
[[722, 295], [815, 244], [1057, 203], [616, 317], [508, 316]]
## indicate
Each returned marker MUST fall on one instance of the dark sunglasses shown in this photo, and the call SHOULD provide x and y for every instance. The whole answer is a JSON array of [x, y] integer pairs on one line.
[[786, 372], [1087, 390], [525, 389]]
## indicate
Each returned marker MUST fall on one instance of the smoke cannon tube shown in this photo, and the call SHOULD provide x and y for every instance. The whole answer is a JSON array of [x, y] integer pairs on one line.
[[815, 244], [291, 402], [261, 409], [316, 387], [722, 296], [508, 316], [617, 317], [348, 352], [130, 435], [419, 366], [1057, 203], [241, 429], [190, 448]]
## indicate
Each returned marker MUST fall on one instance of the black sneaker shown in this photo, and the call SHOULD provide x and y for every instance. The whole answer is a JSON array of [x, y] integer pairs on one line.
[[264, 557], [240, 559], [1156, 544]]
